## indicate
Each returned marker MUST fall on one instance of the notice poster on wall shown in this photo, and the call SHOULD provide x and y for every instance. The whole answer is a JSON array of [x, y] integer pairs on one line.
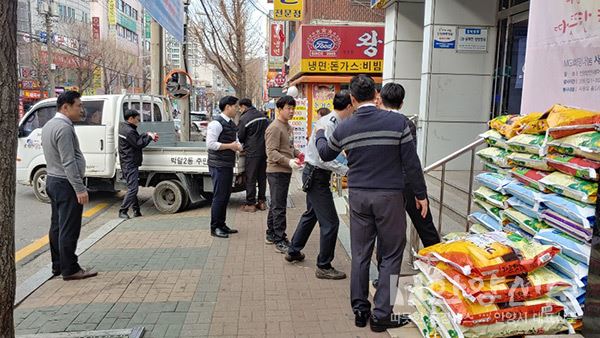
[[323, 95], [299, 124], [562, 63]]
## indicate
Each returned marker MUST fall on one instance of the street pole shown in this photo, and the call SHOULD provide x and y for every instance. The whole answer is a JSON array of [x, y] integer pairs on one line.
[[185, 102], [49, 43], [156, 59]]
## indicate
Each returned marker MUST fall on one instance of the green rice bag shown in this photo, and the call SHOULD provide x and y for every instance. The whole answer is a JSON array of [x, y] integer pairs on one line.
[[492, 197], [585, 145], [572, 187], [526, 143], [496, 156], [529, 160]]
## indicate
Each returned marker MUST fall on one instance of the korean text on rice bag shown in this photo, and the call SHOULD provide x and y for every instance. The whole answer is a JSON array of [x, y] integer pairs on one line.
[[524, 193], [490, 196], [585, 145], [565, 224], [523, 207], [525, 143], [561, 116], [536, 284], [528, 224], [573, 187], [574, 166], [529, 161], [570, 246], [491, 254], [491, 210], [496, 156], [494, 139], [485, 220], [468, 313], [530, 177], [544, 325], [579, 212], [493, 181]]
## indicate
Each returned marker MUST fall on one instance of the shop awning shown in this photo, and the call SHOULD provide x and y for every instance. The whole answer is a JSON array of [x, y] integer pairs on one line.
[[328, 79]]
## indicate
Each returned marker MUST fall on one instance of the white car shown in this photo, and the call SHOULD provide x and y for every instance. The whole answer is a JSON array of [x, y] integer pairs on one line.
[[199, 122]]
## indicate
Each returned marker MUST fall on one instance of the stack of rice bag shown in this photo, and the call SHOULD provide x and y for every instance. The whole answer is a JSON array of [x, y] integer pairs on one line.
[[535, 224]]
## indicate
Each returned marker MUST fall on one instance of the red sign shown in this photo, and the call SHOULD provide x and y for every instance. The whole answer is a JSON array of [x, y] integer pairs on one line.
[[60, 60], [342, 42], [279, 80], [35, 94], [96, 28], [277, 39]]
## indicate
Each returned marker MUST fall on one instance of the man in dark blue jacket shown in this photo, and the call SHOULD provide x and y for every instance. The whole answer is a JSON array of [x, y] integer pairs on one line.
[[379, 148], [131, 144]]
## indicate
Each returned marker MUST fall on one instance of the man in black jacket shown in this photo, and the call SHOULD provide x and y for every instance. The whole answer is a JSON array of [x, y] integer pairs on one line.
[[131, 144], [252, 127]]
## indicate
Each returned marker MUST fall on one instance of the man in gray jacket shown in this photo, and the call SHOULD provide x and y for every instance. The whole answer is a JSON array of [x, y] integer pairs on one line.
[[65, 187]]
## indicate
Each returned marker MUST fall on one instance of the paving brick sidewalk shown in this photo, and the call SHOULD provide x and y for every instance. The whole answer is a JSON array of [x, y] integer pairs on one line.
[[166, 273]]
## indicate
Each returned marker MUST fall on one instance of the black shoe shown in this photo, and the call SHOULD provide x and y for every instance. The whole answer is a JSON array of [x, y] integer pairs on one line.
[[229, 230], [137, 213], [361, 318], [375, 283], [56, 272], [269, 239], [296, 257], [391, 322], [282, 247], [330, 273], [218, 232], [123, 214]]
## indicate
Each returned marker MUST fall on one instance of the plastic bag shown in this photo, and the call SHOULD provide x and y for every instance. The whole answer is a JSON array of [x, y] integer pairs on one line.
[[485, 220], [491, 254], [570, 246], [494, 139], [524, 193], [581, 213], [574, 166], [529, 161], [496, 156], [525, 143], [527, 224], [530, 177], [495, 169], [570, 267], [565, 224], [560, 116], [507, 125], [572, 187], [491, 210], [544, 325], [493, 181], [523, 207], [585, 145], [490, 196], [533, 123]]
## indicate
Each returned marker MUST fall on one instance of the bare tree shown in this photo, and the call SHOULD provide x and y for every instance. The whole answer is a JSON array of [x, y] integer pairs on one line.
[[86, 52], [229, 42], [8, 152], [255, 72]]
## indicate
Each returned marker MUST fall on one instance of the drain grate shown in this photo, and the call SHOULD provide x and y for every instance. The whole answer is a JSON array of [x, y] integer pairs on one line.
[[136, 332]]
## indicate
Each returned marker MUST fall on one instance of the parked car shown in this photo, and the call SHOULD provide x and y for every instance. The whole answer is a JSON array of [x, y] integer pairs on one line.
[[199, 123]]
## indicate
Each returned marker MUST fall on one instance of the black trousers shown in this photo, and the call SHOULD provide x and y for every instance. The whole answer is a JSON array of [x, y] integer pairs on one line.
[[279, 184], [319, 207], [222, 179], [132, 176], [65, 225], [256, 172]]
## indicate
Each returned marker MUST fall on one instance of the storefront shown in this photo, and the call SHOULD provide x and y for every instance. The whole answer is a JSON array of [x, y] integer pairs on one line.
[[323, 59]]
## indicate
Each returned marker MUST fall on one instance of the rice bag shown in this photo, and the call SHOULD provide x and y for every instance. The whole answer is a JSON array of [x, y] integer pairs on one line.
[[574, 166], [528, 224], [523, 207], [468, 313], [581, 213], [570, 267], [524, 193], [495, 169], [493, 253], [493, 181], [496, 156], [585, 145], [530, 177], [529, 161], [512, 228], [572, 307], [489, 222], [560, 116], [544, 325], [526, 143], [490, 196], [570, 246], [506, 125], [477, 228], [564, 224], [536, 284], [573, 187], [491, 210], [494, 139], [533, 123]]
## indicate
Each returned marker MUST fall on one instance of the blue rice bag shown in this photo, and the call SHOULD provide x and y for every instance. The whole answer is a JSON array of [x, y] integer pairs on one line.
[[570, 246], [580, 212], [570, 267], [493, 181], [486, 220], [524, 193], [523, 207]]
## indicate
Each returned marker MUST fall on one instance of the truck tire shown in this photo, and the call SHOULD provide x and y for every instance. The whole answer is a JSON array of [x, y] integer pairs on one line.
[[39, 185], [169, 197]]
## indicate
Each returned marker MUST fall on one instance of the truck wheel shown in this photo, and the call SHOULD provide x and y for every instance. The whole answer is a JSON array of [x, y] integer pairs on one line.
[[169, 197], [39, 185]]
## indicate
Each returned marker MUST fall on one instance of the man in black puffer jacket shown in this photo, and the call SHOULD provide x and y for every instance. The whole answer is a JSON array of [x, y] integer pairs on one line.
[[252, 127], [131, 144]]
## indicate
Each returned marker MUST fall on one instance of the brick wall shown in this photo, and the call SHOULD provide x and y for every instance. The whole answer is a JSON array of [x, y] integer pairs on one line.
[[341, 10]]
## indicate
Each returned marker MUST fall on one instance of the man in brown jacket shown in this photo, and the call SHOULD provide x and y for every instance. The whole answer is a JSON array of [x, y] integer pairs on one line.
[[282, 157]]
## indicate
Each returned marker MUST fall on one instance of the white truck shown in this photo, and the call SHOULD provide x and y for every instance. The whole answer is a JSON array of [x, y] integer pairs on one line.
[[178, 171]]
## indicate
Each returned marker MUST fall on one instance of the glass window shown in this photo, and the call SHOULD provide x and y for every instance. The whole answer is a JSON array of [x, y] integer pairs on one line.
[[146, 113], [93, 113], [37, 120], [120, 5]]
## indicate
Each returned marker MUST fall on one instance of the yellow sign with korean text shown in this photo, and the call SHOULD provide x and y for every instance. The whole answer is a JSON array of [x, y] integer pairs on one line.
[[341, 66], [288, 10], [112, 12]]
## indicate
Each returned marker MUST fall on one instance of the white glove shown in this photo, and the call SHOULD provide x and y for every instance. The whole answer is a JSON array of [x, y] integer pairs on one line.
[[294, 165]]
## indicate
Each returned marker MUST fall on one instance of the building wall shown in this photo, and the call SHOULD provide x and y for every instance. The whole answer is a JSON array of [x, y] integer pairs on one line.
[[341, 10]]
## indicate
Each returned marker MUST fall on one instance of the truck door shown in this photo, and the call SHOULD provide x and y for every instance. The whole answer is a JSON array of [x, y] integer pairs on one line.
[[29, 152], [91, 132]]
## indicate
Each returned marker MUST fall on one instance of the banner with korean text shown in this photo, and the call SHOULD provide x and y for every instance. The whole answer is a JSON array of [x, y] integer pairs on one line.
[[288, 10], [562, 62]]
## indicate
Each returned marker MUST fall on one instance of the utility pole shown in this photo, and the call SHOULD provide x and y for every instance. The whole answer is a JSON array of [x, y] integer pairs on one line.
[[47, 10], [185, 102], [156, 59]]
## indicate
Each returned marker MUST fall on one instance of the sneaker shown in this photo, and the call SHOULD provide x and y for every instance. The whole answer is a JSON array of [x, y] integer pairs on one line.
[[282, 247], [123, 214], [296, 257], [269, 240], [248, 208], [261, 205], [330, 273], [391, 322]]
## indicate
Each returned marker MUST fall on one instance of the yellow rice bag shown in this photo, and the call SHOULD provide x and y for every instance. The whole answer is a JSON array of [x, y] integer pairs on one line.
[[572, 187], [525, 143], [495, 156], [494, 139], [529, 161], [560, 116], [586, 145]]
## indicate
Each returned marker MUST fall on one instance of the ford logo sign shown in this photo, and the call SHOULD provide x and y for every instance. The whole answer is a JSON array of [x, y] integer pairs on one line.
[[323, 44]]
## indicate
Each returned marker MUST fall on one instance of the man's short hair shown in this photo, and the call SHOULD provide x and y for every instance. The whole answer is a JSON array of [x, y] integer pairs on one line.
[[392, 95], [362, 87], [129, 113], [67, 97], [246, 102], [323, 111], [227, 101], [282, 101], [341, 100]]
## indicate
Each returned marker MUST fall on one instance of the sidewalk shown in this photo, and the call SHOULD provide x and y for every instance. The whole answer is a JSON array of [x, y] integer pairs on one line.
[[166, 273]]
